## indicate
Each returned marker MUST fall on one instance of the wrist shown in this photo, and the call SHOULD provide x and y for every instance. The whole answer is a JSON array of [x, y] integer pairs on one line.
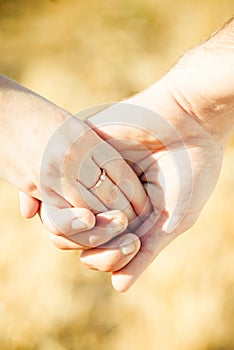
[[206, 94], [200, 86], [203, 82], [27, 122]]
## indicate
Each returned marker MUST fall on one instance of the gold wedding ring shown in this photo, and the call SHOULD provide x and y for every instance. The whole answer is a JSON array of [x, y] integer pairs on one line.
[[102, 178]]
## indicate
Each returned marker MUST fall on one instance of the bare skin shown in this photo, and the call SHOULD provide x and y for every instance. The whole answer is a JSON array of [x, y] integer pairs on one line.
[[179, 152], [46, 153]]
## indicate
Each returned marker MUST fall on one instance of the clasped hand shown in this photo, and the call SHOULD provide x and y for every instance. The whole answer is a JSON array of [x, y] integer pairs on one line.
[[162, 162], [161, 151]]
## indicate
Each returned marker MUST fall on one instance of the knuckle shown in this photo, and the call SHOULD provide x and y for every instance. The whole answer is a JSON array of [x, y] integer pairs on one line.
[[62, 243], [30, 187], [124, 220], [88, 216], [126, 172], [107, 267], [112, 195], [60, 247], [57, 242], [51, 168], [71, 154]]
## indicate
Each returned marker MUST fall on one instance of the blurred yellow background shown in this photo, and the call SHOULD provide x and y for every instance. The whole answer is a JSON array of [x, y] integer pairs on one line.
[[81, 53]]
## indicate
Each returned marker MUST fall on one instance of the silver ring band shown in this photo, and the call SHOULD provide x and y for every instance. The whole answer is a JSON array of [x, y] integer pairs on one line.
[[102, 178]]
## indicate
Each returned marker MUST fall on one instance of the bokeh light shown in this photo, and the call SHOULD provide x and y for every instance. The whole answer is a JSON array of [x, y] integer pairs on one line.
[[78, 54]]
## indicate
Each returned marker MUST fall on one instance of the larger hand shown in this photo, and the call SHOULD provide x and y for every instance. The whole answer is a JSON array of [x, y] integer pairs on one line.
[[196, 102]]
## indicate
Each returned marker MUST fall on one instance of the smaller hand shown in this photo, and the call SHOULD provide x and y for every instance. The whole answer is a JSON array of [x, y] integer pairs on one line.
[[61, 211], [55, 158], [80, 229], [76, 160]]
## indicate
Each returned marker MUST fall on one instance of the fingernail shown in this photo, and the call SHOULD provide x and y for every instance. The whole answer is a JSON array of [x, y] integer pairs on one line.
[[115, 226], [112, 212], [78, 224], [127, 247], [173, 224]]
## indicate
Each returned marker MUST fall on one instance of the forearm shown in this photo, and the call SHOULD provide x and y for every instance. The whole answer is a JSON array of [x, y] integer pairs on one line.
[[200, 85], [26, 122]]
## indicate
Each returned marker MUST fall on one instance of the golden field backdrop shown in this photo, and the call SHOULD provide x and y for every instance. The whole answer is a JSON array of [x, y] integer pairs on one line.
[[81, 53]]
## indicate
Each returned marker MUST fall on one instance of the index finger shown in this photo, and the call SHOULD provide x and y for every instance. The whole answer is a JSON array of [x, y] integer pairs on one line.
[[123, 176]]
